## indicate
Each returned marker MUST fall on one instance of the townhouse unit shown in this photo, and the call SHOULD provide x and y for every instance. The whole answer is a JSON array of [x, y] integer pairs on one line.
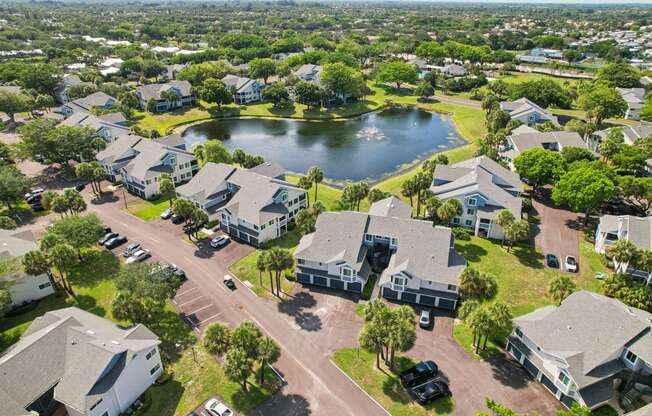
[[417, 262], [23, 287], [167, 96], [254, 205], [245, 90], [634, 97], [71, 362], [638, 230], [98, 100], [484, 188], [524, 138], [582, 348], [138, 163], [109, 126], [527, 112]]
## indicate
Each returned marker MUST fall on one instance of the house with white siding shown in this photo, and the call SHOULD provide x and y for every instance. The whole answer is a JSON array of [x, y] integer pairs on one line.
[[72, 362], [254, 205], [585, 347]]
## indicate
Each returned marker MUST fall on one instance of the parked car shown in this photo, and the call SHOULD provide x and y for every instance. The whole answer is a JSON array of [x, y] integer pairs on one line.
[[106, 238], [228, 281], [131, 249], [552, 261], [430, 391], [216, 408], [419, 373], [176, 219], [115, 242], [167, 214], [138, 256], [220, 241], [424, 319], [571, 264]]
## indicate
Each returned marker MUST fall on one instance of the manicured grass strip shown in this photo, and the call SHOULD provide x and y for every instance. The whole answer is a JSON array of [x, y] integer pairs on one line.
[[385, 386]]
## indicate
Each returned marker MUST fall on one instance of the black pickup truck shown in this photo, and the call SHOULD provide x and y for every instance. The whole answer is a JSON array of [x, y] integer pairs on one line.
[[418, 374]]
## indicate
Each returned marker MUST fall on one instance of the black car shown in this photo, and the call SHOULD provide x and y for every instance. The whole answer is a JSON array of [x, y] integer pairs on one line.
[[115, 242], [176, 219], [106, 238], [430, 391], [552, 261], [418, 374]]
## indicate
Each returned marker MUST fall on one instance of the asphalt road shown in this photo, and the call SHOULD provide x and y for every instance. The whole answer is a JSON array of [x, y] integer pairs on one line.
[[314, 385]]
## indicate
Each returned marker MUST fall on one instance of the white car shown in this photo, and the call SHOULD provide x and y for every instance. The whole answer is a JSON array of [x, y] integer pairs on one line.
[[215, 407], [138, 256], [571, 264], [424, 319]]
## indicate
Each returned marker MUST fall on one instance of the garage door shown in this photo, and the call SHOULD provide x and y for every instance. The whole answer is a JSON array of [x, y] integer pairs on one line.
[[355, 287], [408, 297], [446, 304], [549, 384], [427, 300], [303, 278], [568, 401], [530, 368], [389, 293], [320, 281], [337, 284]]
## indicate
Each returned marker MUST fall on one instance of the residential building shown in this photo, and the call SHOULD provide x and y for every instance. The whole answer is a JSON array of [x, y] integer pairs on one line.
[[72, 362], [245, 90], [580, 349], [138, 163], [453, 70], [634, 97], [484, 188], [309, 73], [417, 262], [98, 99], [109, 126], [521, 140], [253, 205], [528, 112], [181, 90], [638, 230], [23, 287]]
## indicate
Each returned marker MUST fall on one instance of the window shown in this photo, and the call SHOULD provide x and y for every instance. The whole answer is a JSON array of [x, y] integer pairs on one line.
[[368, 238], [155, 369], [151, 354], [44, 285], [563, 377], [518, 332], [631, 357], [96, 404], [472, 202]]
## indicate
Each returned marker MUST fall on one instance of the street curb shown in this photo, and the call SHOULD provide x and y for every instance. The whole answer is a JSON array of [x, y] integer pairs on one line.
[[358, 386]]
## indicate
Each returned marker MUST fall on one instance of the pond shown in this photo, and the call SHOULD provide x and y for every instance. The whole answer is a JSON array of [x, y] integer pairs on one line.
[[366, 147]]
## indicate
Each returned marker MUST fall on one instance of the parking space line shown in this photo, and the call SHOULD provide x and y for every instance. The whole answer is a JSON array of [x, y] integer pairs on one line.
[[200, 309]]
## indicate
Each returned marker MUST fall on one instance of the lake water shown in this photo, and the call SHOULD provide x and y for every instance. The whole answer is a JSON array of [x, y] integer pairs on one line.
[[367, 147]]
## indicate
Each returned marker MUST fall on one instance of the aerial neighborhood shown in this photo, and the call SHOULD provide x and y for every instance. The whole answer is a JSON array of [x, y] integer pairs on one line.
[[296, 208]]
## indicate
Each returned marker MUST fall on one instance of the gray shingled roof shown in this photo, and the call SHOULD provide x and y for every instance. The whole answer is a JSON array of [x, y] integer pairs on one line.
[[588, 330], [154, 91], [69, 348]]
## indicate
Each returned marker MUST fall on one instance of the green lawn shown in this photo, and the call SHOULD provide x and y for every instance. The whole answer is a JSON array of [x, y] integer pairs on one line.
[[192, 382], [245, 268], [385, 386], [149, 210]]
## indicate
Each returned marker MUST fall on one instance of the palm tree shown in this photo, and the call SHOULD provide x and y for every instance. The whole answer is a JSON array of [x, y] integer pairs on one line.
[[268, 353], [560, 288], [316, 176], [623, 252]]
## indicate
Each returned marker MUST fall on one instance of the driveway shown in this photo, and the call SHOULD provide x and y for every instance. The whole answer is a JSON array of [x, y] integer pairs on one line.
[[471, 381], [557, 233], [314, 385]]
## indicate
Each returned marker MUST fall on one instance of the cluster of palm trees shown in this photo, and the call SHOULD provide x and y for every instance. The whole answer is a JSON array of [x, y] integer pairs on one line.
[[274, 261], [387, 331]]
